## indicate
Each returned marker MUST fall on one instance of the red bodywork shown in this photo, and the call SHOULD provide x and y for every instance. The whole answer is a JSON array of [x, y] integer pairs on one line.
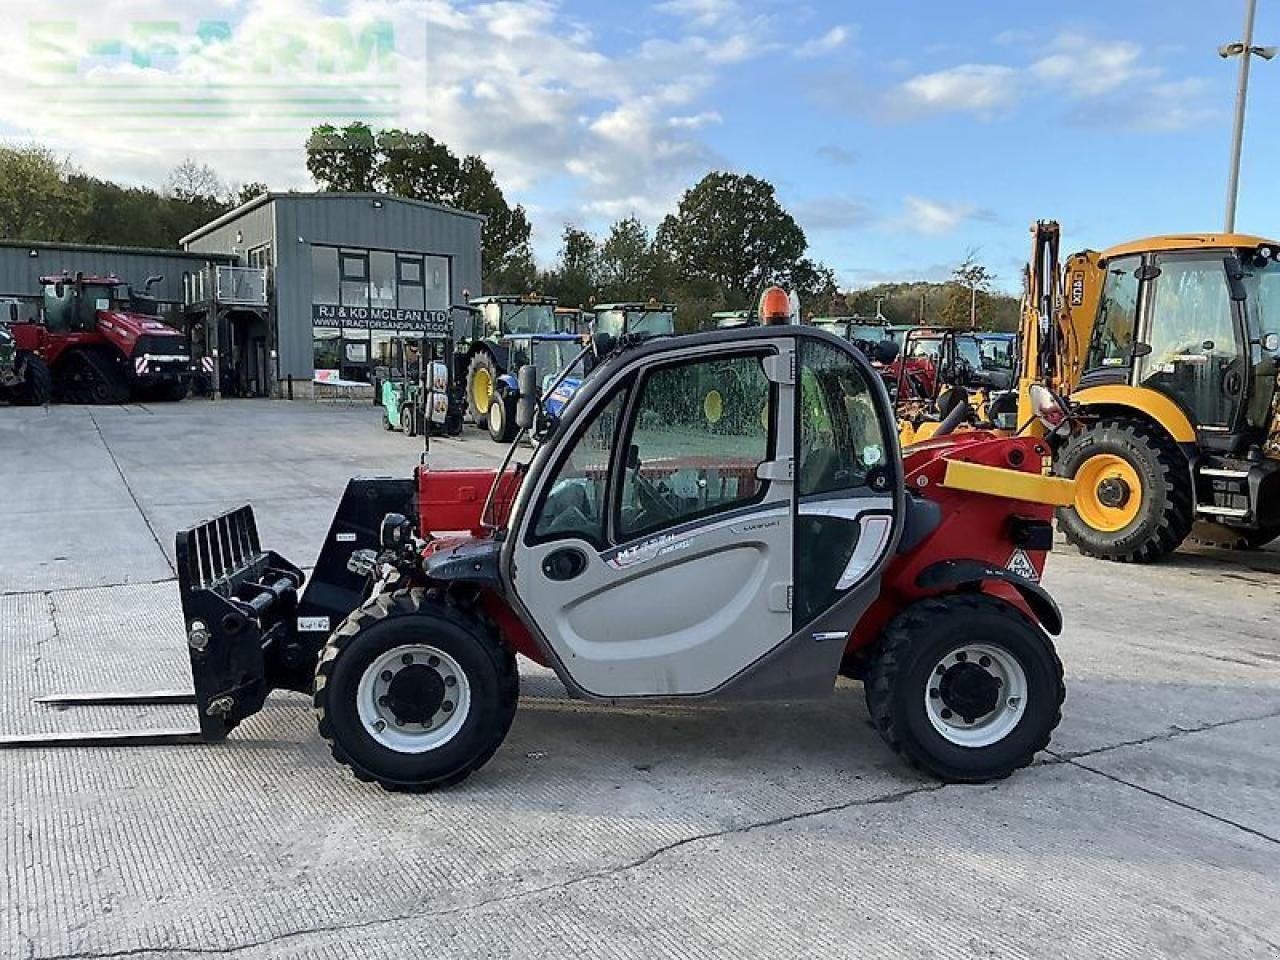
[[31, 337], [116, 329], [974, 526]]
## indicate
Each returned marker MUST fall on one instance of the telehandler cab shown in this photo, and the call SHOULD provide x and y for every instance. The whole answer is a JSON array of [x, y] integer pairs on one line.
[[657, 546]]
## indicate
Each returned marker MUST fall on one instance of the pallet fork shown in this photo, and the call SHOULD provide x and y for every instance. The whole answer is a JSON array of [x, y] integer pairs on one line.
[[250, 626]]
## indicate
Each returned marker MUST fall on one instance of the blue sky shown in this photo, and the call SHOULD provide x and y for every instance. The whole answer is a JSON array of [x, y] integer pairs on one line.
[[900, 135]]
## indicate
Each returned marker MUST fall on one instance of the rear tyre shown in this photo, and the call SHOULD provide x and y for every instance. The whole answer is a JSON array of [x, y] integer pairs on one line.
[[413, 693], [482, 376], [408, 421], [1134, 498], [37, 385], [965, 687], [501, 420]]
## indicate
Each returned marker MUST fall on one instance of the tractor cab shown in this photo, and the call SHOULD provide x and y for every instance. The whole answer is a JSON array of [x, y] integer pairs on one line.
[[650, 318], [71, 303], [503, 314], [728, 319], [1200, 326]]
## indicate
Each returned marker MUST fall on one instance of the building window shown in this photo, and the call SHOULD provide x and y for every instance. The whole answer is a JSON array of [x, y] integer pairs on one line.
[[326, 348], [324, 275], [409, 285], [382, 279], [355, 278], [437, 283]]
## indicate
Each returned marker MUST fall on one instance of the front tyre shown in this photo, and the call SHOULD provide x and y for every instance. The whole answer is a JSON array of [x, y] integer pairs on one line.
[[965, 687], [414, 694], [501, 418], [482, 377]]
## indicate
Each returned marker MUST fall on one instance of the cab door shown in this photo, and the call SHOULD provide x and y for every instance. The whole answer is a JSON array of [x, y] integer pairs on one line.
[[656, 552], [1194, 345]]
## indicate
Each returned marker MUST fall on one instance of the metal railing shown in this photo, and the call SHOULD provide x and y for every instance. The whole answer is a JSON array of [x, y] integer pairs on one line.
[[238, 285]]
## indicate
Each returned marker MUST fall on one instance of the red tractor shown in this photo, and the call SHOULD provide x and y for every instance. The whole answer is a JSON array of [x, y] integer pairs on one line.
[[102, 348], [660, 545]]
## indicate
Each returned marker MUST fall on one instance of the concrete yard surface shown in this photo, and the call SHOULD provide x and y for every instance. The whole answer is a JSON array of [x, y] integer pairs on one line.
[[1150, 829]]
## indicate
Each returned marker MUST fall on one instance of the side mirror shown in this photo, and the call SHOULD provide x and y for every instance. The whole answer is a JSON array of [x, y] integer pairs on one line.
[[1270, 341], [527, 404], [1141, 349]]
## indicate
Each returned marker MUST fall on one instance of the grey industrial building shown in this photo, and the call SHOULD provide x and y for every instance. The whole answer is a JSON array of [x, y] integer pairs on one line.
[[288, 286], [348, 272], [23, 263]]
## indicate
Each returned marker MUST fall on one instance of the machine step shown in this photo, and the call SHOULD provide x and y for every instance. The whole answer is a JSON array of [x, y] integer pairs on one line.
[[1233, 512]]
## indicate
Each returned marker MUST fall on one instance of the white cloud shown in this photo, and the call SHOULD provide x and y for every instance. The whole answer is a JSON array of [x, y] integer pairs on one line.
[[1089, 68], [937, 217], [1103, 81], [982, 88], [518, 82], [696, 121], [702, 13], [829, 42]]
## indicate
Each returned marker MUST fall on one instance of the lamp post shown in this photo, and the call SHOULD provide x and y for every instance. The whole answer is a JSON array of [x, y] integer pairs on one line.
[[1245, 50]]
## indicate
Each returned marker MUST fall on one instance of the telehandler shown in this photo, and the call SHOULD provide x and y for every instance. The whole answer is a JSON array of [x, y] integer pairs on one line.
[[1168, 349], [657, 546]]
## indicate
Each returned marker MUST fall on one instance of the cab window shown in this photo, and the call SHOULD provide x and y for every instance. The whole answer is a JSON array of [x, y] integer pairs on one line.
[[1117, 316], [699, 432], [573, 504], [841, 438]]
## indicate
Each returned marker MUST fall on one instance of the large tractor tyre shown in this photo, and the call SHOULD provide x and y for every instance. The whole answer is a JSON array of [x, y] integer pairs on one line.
[[965, 687], [501, 420], [1134, 499], [408, 420], [36, 389], [414, 693], [482, 377]]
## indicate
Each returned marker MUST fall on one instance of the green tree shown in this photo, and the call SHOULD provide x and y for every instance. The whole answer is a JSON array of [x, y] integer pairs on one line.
[[343, 159], [575, 278], [968, 296], [628, 264], [420, 167], [36, 198], [254, 188], [730, 232]]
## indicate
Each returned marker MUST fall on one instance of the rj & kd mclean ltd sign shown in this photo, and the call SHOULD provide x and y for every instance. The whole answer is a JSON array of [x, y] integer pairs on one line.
[[383, 318]]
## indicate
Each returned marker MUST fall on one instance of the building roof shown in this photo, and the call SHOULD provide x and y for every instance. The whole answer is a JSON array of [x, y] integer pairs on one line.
[[103, 248], [286, 195]]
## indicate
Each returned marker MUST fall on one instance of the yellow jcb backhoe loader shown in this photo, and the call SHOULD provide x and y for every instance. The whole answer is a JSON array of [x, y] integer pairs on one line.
[[1167, 348]]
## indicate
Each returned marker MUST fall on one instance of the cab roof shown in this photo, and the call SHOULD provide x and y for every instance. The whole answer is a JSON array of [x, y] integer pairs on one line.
[[1187, 241], [637, 305], [527, 299]]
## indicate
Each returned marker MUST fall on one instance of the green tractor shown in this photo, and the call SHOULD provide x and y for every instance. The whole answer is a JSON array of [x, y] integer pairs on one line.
[[481, 354], [650, 318], [416, 395], [25, 379]]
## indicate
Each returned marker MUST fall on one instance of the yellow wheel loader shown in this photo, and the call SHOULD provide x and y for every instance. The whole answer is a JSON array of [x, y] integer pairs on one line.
[[1168, 349]]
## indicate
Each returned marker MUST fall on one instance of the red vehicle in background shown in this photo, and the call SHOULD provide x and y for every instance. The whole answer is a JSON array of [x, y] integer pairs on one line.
[[103, 348]]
